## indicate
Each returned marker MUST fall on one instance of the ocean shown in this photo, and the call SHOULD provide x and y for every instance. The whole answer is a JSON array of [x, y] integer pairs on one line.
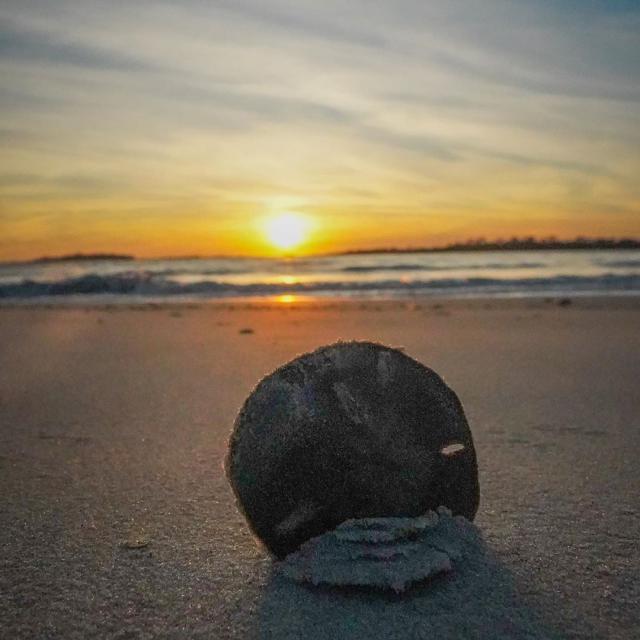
[[375, 275]]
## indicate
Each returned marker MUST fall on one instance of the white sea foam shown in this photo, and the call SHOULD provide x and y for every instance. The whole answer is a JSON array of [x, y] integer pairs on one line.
[[372, 275]]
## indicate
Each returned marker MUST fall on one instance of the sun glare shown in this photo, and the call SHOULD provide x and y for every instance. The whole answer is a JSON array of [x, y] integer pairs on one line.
[[287, 231]]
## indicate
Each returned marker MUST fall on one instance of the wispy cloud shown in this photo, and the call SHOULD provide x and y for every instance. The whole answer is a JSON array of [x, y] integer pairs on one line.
[[30, 46], [439, 114]]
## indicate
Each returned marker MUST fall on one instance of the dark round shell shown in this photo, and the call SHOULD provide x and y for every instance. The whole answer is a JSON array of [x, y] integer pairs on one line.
[[351, 430]]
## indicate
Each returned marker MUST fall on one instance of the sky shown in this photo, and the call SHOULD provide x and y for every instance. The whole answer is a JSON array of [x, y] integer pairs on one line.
[[181, 128]]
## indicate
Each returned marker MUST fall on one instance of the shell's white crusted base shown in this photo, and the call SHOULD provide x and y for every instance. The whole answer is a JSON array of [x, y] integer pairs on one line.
[[387, 553]]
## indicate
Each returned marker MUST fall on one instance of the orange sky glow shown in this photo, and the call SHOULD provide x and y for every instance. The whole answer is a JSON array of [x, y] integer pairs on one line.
[[179, 128]]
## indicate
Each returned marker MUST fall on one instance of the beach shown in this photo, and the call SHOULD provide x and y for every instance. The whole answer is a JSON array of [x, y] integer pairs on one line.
[[117, 519]]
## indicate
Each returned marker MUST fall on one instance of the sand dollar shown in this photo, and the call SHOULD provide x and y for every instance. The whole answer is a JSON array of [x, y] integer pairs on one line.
[[351, 430]]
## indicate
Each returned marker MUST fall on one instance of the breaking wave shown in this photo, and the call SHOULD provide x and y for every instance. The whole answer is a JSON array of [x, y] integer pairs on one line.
[[151, 285], [422, 267], [621, 264]]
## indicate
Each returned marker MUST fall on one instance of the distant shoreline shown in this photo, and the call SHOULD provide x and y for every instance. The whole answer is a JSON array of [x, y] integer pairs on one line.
[[528, 244], [516, 244], [79, 257]]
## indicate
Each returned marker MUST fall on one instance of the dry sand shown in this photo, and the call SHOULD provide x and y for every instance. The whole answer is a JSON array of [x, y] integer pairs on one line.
[[117, 520]]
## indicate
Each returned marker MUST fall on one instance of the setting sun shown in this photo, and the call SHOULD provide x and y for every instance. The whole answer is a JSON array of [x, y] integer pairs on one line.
[[287, 231]]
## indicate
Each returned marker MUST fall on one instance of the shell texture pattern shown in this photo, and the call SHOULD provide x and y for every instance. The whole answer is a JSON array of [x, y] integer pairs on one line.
[[353, 430]]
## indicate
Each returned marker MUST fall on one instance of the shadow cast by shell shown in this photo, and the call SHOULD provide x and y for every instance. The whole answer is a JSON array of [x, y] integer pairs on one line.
[[478, 599]]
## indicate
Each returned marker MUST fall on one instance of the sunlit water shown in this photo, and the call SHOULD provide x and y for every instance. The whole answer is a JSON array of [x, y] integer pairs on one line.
[[512, 273]]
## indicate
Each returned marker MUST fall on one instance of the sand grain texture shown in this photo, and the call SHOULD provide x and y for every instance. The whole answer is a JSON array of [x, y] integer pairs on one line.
[[114, 424]]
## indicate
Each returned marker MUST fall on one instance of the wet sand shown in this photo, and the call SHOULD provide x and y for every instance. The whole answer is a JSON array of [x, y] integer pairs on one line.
[[117, 520]]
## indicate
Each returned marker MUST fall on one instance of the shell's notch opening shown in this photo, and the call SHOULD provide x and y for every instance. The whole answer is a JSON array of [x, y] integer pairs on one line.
[[452, 449]]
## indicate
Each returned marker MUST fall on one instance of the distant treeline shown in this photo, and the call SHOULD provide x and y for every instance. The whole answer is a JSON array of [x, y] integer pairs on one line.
[[476, 244], [516, 244], [75, 257]]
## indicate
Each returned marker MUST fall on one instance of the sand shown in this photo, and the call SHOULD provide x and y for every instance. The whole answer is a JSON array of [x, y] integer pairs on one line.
[[117, 520]]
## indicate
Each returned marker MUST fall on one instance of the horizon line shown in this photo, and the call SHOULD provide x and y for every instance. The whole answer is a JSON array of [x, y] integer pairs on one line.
[[475, 244]]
